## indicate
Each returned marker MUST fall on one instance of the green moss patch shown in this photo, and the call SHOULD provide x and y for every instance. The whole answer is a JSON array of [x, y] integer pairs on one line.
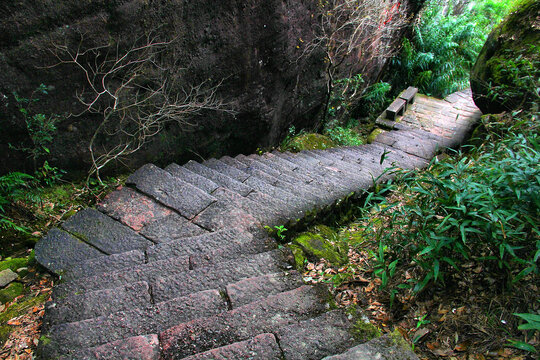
[[309, 141], [371, 137], [11, 292], [363, 330], [316, 247]]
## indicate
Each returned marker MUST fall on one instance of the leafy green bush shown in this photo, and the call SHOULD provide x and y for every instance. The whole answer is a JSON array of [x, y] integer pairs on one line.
[[344, 136], [444, 46], [482, 207]]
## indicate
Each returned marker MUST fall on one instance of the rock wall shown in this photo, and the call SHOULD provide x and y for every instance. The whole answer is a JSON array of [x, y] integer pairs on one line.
[[506, 73], [252, 47]]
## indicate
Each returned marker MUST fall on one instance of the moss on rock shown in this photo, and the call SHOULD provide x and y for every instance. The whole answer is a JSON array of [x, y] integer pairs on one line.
[[505, 75], [299, 257], [363, 330], [371, 137], [11, 292], [309, 141], [315, 247]]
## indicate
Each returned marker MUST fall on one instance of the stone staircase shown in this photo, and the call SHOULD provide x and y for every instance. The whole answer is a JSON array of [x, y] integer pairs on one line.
[[176, 265]]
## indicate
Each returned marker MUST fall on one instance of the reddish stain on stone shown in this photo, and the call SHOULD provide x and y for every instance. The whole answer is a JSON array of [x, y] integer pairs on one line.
[[132, 208]]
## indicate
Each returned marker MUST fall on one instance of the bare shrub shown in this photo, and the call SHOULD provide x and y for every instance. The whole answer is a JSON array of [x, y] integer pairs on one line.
[[134, 96]]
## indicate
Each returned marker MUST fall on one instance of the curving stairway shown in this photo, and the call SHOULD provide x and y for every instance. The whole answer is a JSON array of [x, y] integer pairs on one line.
[[176, 264]]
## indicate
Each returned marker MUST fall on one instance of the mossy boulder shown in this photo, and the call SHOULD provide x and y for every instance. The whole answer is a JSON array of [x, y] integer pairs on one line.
[[316, 247], [505, 75], [309, 141]]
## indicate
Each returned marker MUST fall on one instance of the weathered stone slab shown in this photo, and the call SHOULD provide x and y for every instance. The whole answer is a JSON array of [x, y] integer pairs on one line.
[[326, 187], [340, 188], [224, 168], [212, 248], [103, 264], [262, 346], [295, 205], [222, 274], [257, 288], [408, 142], [58, 250], [144, 347], [104, 233], [92, 304], [64, 338], [218, 178], [352, 171], [194, 179], [230, 210], [383, 348], [170, 228], [312, 339], [187, 199], [243, 323], [7, 276], [132, 208], [112, 279], [283, 181]]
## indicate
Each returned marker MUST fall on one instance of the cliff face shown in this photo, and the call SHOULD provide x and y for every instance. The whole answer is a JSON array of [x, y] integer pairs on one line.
[[251, 47]]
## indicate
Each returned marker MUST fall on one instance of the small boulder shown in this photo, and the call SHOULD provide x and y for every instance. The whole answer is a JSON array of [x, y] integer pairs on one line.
[[7, 276]]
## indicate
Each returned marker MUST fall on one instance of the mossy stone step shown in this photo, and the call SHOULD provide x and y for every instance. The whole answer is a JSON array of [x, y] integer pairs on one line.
[[193, 178]]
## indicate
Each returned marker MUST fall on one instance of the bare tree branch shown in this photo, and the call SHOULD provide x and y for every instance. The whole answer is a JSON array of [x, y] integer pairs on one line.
[[132, 94]]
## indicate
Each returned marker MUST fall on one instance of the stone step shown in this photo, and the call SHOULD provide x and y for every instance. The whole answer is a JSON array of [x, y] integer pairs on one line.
[[172, 227], [409, 143], [66, 337], [256, 288], [169, 190], [171, 285], [340, 188], [58, 251], [219, 178], [286, 182], [119, 278], [143, 347], [105, 263], [225, 168], [352, 171], [233, 210], [213, 247], [295, 207], [92, 304], [193, 178], [293, 170], [104, 233], [332, 172], [132, 208], [243, 323], [330, 333], [263, 346], [386, 347]]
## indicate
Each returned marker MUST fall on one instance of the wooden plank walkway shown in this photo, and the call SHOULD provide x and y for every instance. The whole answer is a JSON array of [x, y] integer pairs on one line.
[[176, 265]]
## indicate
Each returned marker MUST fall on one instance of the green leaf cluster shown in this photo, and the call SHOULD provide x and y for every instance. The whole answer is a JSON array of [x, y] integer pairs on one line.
[[444, 46], [480, 207]]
